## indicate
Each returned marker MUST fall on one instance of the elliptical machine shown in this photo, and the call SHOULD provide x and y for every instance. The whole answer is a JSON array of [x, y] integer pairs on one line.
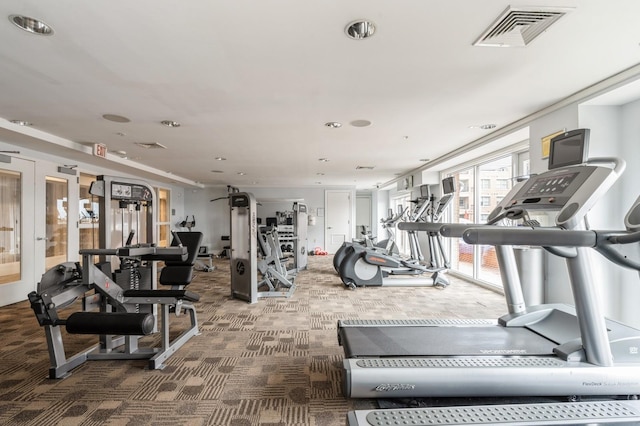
[[364, 267], [386, 246]]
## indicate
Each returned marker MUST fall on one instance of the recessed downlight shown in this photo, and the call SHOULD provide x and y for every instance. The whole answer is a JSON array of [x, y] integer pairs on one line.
[[21, 122], [116, 118], [360, 29], [217, 171], [488, 126], [333, 124], [220, 159], [323, 160], [424, 160], [31, 25], [241, 173], [170, 123]]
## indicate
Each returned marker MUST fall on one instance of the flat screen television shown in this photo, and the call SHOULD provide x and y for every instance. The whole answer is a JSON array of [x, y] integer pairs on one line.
[[569, 149], [448, 185]]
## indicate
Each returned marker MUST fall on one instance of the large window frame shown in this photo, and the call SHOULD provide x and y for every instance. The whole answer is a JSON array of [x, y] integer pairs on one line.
[[477, 263]]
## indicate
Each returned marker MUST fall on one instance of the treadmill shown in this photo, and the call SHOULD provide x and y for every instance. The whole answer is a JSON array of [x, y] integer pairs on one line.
[[544, 350]]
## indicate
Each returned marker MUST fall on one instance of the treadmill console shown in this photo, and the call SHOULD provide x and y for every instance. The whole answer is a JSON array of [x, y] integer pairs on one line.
[[550, 185], [552, 189]]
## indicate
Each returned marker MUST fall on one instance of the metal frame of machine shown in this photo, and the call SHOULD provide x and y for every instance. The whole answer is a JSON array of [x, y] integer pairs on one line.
[[576, 351]]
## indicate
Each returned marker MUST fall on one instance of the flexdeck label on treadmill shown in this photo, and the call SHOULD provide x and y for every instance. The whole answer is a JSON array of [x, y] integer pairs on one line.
[[388, 387], [503, 351]]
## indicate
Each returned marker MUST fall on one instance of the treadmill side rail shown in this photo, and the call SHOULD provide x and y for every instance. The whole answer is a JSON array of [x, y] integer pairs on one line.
[[569, 413], [485, 376]]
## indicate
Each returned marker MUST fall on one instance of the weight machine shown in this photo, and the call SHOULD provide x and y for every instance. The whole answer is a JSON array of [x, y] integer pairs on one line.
[[245, 259], [121, 306]]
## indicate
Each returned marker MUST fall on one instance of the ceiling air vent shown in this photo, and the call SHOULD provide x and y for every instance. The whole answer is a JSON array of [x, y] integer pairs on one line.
[[517, 27], [151, 145]]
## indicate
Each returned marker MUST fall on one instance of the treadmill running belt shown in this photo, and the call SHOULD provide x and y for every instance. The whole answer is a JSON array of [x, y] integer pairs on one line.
[[361, 342]]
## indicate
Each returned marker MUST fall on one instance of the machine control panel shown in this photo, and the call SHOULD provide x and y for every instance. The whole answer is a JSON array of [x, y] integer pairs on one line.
[[130, 192], [552, 189]]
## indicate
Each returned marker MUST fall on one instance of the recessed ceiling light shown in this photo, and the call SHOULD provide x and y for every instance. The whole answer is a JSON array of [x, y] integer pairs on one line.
[[21, 122], [320, 174], [483, 126], [333, 124], [360, 29], [170, 123], [217, 171], [360, 123], [324, 160], [31, 25], [241, 173], [122, 154], [220, 159], [116, 118], [424, 160], [121, 134], [319, 183]]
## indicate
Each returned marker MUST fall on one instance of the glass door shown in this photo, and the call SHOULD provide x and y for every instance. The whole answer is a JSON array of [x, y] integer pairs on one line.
[[17, 219], [57, 221], [56, 218]]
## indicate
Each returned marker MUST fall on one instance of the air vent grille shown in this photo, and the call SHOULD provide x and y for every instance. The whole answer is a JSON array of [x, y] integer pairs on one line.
[[151, 145], [517, 27]]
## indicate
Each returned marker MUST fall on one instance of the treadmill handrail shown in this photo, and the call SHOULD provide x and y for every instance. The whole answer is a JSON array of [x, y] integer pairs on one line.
[[530, 236]]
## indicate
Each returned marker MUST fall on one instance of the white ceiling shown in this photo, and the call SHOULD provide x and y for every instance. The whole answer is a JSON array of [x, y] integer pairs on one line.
[[255, 81]]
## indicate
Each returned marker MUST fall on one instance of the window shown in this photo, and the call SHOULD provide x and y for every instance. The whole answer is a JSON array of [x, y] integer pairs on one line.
[[88, 220], [474, 204], [503, 183], [10, 225], [164, 217], [57, 212], [401, 238]]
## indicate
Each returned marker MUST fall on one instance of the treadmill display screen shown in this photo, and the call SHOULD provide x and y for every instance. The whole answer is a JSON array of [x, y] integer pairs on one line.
[[551, 185]]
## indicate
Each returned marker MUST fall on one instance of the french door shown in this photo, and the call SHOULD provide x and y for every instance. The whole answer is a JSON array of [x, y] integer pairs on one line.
[[17, 238], [38, 224]]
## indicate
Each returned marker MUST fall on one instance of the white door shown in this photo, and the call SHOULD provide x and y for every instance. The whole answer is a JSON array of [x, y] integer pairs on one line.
[[363, 214], [337, 219], [57, 214], [17, 219]]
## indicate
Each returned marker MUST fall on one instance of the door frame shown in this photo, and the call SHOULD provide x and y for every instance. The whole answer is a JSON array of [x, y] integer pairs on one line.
[[17, 291], [42, 172], [351, 215]]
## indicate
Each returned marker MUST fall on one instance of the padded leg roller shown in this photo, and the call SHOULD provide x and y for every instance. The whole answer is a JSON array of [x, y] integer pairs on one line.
[[119, 323]]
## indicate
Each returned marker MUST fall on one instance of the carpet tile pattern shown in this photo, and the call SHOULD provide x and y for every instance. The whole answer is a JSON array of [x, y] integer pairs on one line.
[[273, 363]]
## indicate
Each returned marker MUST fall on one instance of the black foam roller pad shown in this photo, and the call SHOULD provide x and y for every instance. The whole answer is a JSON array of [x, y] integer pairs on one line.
[[118, 323]]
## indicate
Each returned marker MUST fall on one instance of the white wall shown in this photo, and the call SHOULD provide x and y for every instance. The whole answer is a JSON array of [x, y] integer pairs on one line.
[[212, 218], [614, 132], [177, 192]]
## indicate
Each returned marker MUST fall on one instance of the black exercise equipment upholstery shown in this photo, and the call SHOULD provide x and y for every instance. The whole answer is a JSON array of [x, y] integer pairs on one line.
[[181, 273]]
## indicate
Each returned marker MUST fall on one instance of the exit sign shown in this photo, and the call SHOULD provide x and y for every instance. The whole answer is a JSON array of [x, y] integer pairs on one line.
[[100, 150]]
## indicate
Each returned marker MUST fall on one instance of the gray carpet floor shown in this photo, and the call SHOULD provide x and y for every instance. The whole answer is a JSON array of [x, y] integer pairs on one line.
[[273, 363]]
